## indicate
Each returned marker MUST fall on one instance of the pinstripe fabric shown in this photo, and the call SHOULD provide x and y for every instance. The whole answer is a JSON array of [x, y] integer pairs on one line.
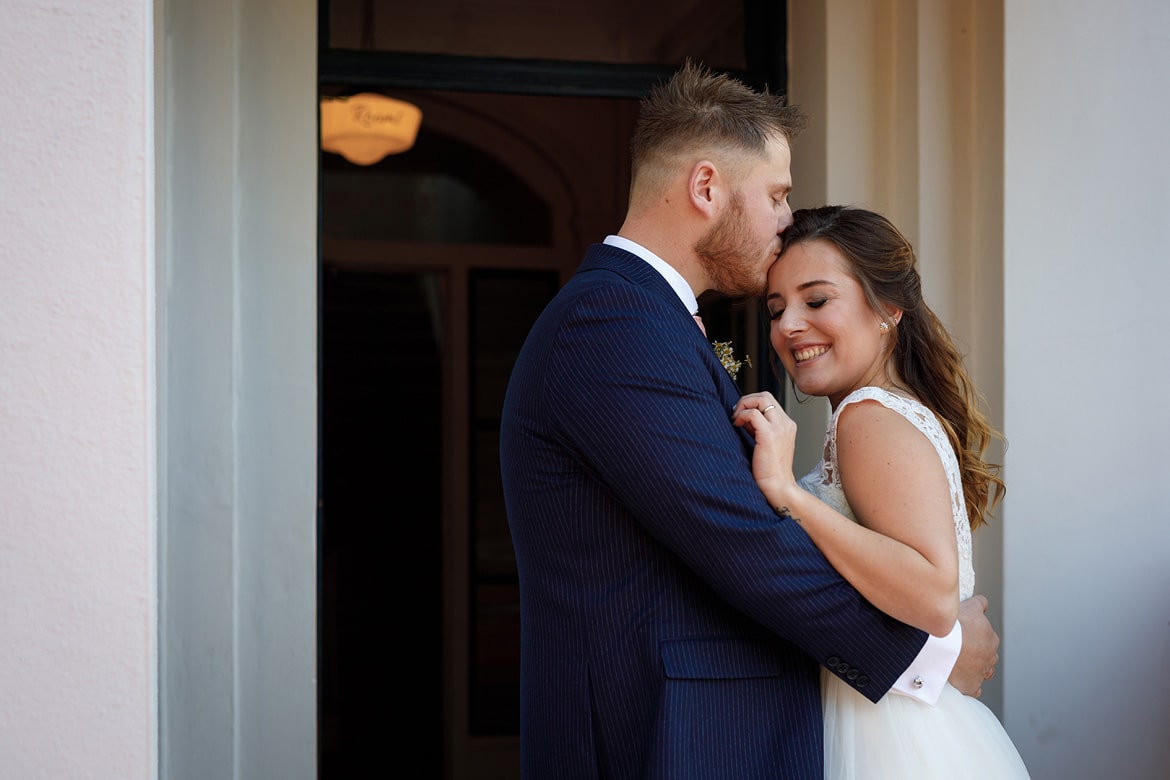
[[671, 625]]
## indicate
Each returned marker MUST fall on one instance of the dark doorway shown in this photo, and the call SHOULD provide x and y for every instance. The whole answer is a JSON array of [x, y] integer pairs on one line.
[[434, 263]]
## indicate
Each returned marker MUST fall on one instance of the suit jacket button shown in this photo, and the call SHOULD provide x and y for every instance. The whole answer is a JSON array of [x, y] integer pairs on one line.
[[832, 662], [852, 674], [862, 681], [842, 667]]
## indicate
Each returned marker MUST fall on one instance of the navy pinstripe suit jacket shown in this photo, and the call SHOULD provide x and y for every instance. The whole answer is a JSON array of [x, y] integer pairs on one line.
[[671, 624]]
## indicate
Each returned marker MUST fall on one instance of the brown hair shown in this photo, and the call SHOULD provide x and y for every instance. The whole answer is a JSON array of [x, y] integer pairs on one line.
[[697, 109], [922, 352]]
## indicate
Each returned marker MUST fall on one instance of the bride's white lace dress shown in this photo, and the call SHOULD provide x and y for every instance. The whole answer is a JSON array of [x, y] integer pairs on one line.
[[900, 737]]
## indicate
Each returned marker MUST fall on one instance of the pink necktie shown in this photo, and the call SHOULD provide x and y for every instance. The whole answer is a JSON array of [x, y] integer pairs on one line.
[[699, 322]]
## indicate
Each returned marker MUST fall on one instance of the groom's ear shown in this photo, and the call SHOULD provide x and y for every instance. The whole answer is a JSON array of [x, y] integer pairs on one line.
[[702, 187]]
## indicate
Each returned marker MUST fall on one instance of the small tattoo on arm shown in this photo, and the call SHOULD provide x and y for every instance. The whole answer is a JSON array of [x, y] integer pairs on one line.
[[783, 513]]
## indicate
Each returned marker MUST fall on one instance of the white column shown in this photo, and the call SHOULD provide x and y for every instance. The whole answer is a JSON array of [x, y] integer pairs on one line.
[[239, 389]]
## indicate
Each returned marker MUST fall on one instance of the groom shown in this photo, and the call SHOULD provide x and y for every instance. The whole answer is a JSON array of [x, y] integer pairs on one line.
[[672, 626]]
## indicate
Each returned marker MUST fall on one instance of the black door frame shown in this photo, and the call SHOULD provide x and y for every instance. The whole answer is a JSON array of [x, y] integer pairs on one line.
[[765, 36]]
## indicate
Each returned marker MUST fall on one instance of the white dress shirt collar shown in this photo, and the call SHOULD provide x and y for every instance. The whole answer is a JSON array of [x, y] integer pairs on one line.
[[673, 277]]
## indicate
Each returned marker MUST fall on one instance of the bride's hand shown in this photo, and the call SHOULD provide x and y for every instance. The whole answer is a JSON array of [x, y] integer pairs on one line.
[[775, 435]]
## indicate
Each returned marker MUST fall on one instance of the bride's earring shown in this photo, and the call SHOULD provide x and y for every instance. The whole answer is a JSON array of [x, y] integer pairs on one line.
[[885, 326]]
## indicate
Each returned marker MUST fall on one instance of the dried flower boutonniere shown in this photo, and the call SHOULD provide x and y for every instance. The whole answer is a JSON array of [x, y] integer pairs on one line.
[[727, 358]]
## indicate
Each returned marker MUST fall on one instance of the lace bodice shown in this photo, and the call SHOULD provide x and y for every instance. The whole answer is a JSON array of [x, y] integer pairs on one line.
[[824, 483]]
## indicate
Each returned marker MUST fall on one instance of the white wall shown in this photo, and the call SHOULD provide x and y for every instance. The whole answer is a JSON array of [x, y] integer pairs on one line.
[[77, 475], [1086, 363], [223, 470]]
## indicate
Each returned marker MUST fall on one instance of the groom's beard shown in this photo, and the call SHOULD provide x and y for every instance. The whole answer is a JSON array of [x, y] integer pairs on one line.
[[736, 266]]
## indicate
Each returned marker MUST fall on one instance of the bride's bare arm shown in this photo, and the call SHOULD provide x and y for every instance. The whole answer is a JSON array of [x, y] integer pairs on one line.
[[901, 554]]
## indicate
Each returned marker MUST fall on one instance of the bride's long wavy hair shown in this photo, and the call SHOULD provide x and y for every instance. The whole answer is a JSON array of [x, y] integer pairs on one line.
[[922, 351]]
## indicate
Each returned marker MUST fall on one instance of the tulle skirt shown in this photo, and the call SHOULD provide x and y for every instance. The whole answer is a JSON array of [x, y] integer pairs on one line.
[[900, 738]]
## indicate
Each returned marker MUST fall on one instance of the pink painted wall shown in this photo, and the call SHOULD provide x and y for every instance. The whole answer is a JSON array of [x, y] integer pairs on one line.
[[77, 481]]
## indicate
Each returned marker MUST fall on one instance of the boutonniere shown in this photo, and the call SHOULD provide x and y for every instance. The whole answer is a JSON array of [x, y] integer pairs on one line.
[[727, 358]]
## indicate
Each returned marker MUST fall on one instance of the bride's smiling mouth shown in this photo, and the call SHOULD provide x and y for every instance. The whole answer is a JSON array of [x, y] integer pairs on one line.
[[808, 353]]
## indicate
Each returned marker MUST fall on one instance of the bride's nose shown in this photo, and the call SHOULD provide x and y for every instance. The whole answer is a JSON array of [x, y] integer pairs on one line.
[[790, 322]]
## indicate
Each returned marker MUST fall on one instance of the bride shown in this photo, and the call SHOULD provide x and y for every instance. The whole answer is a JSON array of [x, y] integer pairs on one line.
[[901, 484]]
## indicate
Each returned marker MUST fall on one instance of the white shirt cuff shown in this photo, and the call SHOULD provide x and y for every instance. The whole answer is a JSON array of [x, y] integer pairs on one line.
[[927, 676]]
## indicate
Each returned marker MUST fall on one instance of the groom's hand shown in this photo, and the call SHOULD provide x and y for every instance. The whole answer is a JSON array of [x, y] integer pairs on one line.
[[980, 652]]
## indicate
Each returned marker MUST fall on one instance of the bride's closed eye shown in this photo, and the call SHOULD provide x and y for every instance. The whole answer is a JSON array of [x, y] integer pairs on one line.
[[816, 303]]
